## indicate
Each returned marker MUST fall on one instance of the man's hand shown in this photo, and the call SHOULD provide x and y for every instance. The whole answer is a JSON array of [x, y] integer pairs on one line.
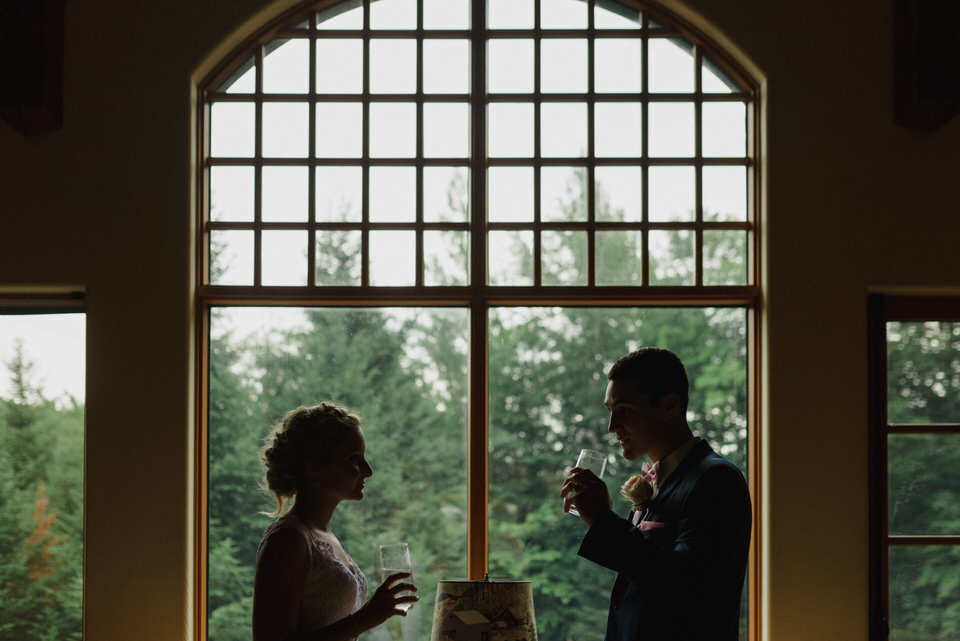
[[584, 490]]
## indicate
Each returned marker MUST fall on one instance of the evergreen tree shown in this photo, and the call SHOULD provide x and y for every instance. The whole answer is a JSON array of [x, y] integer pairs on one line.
[[923, 380], [41, 511]]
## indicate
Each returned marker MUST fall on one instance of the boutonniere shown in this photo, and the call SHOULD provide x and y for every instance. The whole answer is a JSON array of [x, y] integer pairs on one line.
[[639, 491]]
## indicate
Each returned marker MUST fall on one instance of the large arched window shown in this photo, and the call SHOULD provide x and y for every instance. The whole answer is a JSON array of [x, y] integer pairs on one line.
[[453, 216]]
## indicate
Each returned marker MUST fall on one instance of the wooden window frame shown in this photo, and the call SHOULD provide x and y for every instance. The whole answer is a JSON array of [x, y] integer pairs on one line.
[[477, 295], [883, 309]]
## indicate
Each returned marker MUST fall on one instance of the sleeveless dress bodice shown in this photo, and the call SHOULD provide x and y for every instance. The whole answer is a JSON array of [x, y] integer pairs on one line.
[[335, 586]]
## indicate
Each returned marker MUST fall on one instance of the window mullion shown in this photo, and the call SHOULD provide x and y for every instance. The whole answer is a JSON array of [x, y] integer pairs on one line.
[[477, 530]]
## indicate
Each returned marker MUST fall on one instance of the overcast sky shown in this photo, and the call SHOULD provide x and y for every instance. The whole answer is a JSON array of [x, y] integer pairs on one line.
[[55, 343]]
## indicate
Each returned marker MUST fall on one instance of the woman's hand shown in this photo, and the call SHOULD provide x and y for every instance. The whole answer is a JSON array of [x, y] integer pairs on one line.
[[386, 601]]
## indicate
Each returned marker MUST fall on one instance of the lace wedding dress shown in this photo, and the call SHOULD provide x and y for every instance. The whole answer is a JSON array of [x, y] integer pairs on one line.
[[335, 585]]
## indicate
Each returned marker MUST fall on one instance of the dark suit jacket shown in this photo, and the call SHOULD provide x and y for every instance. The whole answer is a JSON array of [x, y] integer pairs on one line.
[[681, 581]]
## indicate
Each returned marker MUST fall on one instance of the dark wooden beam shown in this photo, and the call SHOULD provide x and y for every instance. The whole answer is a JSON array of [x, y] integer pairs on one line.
[[31, 64], [926, 60]]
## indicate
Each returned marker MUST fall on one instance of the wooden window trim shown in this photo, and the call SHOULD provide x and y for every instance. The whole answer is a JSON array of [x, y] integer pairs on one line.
[[881, 310], [478, 296]]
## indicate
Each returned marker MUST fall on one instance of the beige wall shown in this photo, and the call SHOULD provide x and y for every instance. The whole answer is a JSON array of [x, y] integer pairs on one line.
[[854, 203]]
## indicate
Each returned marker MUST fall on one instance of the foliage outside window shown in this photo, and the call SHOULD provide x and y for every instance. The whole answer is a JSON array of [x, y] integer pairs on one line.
[[452, 218], [916, 527], [41, 473]]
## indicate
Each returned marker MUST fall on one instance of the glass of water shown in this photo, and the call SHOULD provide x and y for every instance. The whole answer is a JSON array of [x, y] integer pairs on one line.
[[593, 460], [393, 558]]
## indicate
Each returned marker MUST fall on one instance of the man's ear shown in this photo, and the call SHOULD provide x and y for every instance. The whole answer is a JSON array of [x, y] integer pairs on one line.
[[670, 403]]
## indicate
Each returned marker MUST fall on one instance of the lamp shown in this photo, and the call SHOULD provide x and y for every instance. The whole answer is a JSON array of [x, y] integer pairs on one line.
[[484, 611]]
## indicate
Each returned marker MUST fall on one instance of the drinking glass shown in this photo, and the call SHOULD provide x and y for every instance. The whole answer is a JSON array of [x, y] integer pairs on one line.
[[594, 461], [393, 558]]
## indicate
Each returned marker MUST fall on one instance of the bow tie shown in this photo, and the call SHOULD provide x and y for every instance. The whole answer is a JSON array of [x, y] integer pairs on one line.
[[650, 472]]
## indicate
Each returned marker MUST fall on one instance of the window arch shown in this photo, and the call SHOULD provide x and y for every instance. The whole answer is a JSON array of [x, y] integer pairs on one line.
[[502, 178]]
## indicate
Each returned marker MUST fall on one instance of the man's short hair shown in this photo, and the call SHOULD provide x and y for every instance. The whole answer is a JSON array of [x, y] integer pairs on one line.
[[655, 371]]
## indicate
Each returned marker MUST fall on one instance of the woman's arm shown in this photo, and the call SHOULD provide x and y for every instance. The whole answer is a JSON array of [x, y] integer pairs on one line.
[[280, 579], [278, 585]]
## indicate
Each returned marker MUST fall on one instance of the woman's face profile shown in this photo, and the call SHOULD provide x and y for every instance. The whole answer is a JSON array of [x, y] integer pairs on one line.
[[346, 470]]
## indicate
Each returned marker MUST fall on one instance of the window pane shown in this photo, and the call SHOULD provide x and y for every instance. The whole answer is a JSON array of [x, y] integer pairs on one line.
[[231, 193], [924, 483], [618, 65], [671, 65], [393, 66], [446, 130], [563, 14], [510, 132], [232, 129], [393, 130], [393, 14], [339, 194], [340, 16], [266, 361], [724, 129], [446, 14], [563, 193], [510, 194], [610, 14], [286, 129], [338, 258], [286, 66], [339, 65], [619, 258], [724, 193], [671, 129], [546, 385], [715, 79], [618, 129], [563, 65], [563, 129], [445, 258], [42, 369], [231, 257], [672, 257], [510, 259], [339, 129], [923, 369], [446, 66], [285, 192], [393, 257], [724, 257], [510, 14], [923, 593], [672, 194], [393, 194], [564, 257], [445, 194], [619, 193], [284, 258], [510, 66], [243, 80]]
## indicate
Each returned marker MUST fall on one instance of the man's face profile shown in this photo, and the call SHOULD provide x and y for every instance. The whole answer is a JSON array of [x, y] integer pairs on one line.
[[633, 420]]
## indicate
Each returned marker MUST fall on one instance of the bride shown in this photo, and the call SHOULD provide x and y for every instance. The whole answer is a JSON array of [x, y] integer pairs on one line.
[[307, 588]]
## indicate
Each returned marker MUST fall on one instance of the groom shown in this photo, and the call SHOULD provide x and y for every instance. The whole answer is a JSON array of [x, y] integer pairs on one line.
[[681, 556]]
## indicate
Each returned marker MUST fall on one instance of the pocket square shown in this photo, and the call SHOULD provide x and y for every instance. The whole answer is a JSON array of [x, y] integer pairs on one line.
[[650, 525]]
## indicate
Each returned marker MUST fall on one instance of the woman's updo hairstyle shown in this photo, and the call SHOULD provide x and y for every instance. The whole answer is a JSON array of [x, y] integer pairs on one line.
[[306, 435]]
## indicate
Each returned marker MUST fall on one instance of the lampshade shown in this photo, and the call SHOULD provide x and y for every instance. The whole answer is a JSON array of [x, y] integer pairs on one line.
[[484, 611]]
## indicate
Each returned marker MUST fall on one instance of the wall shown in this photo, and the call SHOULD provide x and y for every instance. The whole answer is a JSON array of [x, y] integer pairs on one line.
[[853, 203]]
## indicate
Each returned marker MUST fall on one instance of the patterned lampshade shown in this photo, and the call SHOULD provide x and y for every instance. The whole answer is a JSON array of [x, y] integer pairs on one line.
[[484, 611]]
